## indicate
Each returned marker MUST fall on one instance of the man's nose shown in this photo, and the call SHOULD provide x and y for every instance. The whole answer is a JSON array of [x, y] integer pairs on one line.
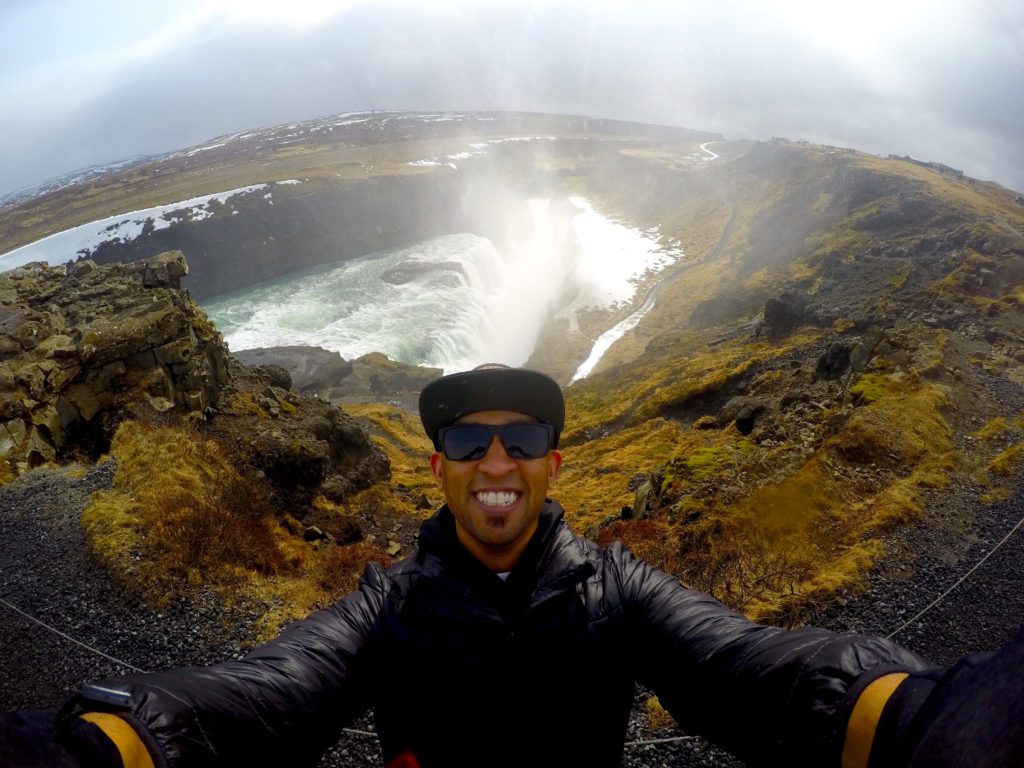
[[496, 462]]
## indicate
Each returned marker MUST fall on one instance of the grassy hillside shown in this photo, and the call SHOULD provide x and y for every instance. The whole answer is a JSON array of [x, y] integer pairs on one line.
[[842, 341], [922, 271]]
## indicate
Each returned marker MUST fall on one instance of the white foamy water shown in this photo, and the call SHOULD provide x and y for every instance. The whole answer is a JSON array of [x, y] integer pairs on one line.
[[609, 337], [445, 313], [612, 258], [452, 302]]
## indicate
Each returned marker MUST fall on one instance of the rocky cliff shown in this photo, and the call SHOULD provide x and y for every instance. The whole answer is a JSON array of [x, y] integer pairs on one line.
[[342, 191], [84, 347]]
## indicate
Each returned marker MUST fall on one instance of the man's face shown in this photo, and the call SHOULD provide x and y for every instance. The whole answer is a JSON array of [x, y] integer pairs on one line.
[[496, 499]]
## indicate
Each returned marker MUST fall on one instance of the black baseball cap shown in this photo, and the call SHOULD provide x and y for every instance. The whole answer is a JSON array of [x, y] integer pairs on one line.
[[491, 387]]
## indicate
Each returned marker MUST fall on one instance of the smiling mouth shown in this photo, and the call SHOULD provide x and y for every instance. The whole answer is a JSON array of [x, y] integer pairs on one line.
[[497, 498]]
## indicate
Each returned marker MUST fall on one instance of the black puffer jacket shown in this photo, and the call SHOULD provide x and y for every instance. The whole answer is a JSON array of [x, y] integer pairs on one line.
[[464, 669]]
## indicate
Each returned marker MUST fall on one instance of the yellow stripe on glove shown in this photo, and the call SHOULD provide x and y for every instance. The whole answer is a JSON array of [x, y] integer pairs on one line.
[[133, 752], [860, 731]]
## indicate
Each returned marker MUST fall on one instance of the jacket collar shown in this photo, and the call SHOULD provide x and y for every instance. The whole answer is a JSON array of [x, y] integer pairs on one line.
[[554, 553]]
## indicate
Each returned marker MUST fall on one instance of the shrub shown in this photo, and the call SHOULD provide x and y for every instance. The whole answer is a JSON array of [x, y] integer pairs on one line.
[[649, 540], [183, 510], [338, 570]]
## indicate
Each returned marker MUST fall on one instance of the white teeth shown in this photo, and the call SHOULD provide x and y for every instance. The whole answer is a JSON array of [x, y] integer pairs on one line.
[[497, 498]]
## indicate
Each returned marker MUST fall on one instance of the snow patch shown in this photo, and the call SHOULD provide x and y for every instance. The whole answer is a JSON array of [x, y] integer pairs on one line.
[[83, 240], [206, 148]]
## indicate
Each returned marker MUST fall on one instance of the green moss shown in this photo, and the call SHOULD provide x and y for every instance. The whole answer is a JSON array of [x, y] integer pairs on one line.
[[688, 506], [704, 463], [872, 387]]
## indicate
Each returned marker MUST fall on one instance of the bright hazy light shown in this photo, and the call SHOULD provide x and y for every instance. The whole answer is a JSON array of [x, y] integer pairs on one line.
[[855, 31], [298, 12]]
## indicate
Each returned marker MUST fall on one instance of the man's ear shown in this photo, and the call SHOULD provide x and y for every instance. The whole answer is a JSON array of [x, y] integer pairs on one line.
[[554, 464], [436, 469]]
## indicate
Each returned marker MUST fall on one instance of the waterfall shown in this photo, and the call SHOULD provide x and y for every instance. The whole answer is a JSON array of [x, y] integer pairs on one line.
[[454, 301]]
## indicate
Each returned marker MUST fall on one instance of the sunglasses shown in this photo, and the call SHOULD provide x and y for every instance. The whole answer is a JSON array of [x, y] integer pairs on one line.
[[469, 442]]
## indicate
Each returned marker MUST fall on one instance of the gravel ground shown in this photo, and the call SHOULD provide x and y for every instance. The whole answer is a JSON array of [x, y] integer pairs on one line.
[[44, 571]]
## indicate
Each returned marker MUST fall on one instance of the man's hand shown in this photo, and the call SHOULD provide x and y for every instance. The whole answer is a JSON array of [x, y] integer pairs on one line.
[[35, 739], [969, 715], [29, 740], [976, 714]]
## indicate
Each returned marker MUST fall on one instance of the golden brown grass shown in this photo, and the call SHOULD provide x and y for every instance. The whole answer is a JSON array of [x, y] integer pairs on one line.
[[399, 434], [769, 545], [595, 476], [789, 544], [179, 500], [657, 716], [995, 428], [1008, 461], [180, 516]]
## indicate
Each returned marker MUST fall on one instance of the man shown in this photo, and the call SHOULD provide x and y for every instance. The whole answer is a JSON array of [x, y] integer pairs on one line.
[[506, 640]]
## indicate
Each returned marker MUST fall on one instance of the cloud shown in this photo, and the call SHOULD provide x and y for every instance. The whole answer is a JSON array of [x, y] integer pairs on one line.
[[941, 81]]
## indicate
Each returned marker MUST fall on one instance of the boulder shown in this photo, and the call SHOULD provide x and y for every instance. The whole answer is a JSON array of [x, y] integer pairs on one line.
[[304, 446], [782, 315], [279, 376], [312, 370], [834, 361], [744, 411], [851, 355], [164, 270]]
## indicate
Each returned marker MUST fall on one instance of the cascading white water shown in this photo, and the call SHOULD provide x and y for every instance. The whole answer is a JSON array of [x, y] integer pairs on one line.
[[452, 302]]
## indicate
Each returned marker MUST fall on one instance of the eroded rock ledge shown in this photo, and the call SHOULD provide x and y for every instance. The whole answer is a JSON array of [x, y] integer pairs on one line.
[[84, 347], [317, 371]]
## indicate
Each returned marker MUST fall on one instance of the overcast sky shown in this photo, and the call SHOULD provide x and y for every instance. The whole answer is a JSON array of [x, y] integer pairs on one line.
[[88, 83]]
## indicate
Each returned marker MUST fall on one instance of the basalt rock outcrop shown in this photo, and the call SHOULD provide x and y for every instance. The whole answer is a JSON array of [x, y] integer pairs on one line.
[[304, 446], [317, 371], [84, 347], [311, 370], [81, 346]]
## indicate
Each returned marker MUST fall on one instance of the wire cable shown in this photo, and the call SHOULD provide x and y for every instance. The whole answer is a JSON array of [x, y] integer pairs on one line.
[[667, 740], [959, 581], [66, 636]]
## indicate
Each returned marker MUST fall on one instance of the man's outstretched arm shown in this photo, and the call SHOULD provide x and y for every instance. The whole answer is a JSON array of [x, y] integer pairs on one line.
[[768, 695], [282, 704]]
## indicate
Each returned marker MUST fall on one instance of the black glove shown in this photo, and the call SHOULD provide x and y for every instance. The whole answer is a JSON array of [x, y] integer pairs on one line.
[[32, 739], [29, 740], [969, 715]]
